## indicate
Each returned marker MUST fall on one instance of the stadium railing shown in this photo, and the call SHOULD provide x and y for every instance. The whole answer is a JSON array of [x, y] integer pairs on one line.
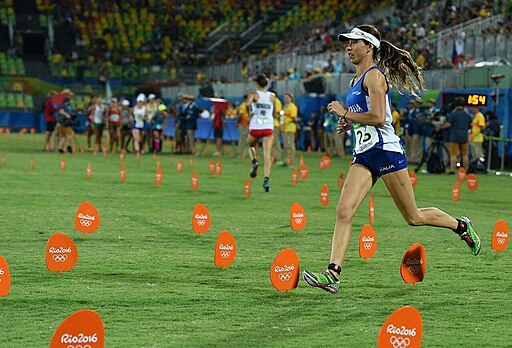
[[471, 35]]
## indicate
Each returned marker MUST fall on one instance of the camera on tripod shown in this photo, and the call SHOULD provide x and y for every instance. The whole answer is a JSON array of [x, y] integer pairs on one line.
[[437, 119], [432, 120]]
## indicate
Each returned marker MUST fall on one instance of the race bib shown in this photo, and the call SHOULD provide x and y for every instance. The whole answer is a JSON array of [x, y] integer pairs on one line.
[[139, 123], [114, 118], [98, 119], [261, 120], [366, 137]]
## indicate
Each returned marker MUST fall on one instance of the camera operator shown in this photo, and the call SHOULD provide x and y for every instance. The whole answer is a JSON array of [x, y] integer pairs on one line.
[[431, 112], [412, 136], [66, 121], [458, 123], [492, 129], [436, 118]]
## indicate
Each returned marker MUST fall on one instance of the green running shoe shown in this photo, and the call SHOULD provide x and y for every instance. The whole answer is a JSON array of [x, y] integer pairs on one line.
[[323, 280], [471, 237]]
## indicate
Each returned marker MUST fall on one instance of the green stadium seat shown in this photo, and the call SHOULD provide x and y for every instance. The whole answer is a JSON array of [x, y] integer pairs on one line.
[[3, 101], [29, 102]]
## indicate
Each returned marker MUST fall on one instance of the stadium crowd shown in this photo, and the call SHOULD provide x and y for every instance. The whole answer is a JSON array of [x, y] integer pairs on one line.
[[152, 32], [408, 27]]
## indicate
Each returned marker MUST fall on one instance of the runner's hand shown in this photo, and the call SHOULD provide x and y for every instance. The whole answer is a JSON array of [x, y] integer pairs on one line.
[[335, 107]]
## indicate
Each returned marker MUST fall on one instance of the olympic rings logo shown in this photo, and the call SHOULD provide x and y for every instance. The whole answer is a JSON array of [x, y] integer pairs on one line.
[[201, 222], [285, 276], [79, 346], [367, 246], [414, 269], [85, 223], [501, 241], [60, 258], [225, 254], [399, 342], [298, 220]]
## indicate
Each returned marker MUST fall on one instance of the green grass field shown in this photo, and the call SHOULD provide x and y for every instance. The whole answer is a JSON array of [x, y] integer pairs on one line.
[[154, 283]]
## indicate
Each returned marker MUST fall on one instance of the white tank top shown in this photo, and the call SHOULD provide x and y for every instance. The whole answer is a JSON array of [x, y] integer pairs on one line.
[[97, 114], [138, 115], [263, 112]]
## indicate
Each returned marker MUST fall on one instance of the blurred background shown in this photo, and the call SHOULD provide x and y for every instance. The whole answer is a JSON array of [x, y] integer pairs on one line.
[[214, 49]]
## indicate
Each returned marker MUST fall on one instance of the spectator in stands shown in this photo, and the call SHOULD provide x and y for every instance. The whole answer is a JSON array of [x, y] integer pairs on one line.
[[50, 120], [458, 123], [243, 126], [114, 124], [289, 128], [293, 74], [470, 62]]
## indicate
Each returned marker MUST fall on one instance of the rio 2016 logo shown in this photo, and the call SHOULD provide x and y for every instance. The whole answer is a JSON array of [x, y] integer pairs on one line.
[[80, 338]]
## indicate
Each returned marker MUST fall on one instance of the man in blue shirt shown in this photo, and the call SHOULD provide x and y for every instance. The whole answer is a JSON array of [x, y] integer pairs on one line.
[[458, 124]]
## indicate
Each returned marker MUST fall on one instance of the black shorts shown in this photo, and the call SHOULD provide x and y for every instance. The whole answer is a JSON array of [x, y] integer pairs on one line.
[[50, 126], [218, 133]]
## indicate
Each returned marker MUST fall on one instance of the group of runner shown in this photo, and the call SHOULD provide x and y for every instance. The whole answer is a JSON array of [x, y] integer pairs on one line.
[[122, 123]]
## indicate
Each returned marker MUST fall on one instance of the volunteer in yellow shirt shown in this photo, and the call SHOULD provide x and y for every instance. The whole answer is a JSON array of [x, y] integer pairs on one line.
[[289, 126], [276, 144], [477, 136]]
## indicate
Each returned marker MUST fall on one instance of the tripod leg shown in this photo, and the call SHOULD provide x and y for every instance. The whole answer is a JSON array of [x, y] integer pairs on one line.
[[425, 157]]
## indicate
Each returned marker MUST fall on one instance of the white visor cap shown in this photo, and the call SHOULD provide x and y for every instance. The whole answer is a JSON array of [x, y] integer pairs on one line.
[[125, 102], [141, 97], [358, 34]]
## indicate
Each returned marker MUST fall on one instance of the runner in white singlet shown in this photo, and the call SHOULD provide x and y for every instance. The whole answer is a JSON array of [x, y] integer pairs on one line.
[[262, 113]]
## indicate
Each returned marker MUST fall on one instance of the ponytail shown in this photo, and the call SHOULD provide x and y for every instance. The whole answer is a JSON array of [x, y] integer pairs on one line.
[[402, 70]]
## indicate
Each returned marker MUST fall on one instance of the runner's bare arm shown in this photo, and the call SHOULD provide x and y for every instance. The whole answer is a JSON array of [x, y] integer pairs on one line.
[[252, 97], [376, 85]]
